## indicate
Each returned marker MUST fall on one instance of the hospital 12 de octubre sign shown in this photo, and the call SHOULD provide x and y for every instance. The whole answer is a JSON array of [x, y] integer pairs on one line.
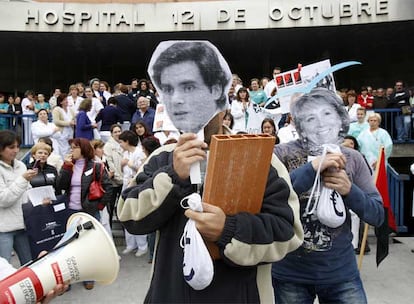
[[197, 16]]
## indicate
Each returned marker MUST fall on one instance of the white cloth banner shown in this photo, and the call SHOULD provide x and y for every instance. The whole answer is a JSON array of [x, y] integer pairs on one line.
[[256, 116]]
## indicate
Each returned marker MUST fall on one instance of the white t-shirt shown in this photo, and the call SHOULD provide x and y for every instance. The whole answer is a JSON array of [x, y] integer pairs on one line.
[[96, 107], [269, 88], [162, 137], [137, 158], [287, 134], [25, 102], [74, 103]]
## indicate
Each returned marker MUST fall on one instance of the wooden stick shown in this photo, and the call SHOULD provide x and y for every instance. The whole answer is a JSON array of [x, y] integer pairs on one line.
[[362, 250], [364, 238]]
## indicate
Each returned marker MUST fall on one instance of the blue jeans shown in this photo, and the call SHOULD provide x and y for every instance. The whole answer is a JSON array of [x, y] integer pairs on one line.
[[403, 126], [18, 241], [346, 292]]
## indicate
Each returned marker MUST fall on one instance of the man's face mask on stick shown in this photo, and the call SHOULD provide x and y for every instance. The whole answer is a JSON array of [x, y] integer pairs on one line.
[[192, 79]]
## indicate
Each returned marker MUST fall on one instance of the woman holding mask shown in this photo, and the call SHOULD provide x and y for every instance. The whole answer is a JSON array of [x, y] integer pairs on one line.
[[14, 181], [75, 179], [325, 264]]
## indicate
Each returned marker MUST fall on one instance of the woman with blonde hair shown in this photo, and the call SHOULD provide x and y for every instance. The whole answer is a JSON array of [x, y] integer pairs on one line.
[[37, 216], [370, 140], [46, 174]]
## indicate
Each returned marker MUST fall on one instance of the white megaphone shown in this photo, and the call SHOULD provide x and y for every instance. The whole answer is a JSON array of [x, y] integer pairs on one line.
[[85, 253]]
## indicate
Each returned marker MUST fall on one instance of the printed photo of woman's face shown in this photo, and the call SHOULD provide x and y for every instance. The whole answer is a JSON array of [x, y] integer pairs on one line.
[[321, 124]]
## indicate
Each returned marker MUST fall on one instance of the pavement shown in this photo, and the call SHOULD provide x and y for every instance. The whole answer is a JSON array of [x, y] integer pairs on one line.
[[390, 283]]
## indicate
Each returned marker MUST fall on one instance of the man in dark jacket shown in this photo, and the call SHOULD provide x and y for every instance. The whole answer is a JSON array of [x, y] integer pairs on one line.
[[401, 99], [247, 242], [109, 115], [382, 102], [125, 104]]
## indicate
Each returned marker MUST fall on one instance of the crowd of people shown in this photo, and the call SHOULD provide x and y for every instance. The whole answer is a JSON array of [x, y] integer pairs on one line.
[[91, 127], [127, 104]]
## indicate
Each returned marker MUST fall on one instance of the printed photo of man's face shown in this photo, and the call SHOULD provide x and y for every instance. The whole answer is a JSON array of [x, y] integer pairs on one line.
[[183, 74]]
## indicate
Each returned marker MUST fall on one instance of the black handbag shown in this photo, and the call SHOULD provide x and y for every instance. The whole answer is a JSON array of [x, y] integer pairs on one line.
[[46, 224]]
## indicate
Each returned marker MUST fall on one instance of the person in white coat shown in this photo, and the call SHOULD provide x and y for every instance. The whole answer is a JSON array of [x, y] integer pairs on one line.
[[133, 159], [239, 110], [28, 103], [42, 128], [114, 155]]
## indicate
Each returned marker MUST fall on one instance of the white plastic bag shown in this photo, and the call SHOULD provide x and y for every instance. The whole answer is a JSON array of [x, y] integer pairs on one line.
[[198, 266], [331, 208], [328, 207]]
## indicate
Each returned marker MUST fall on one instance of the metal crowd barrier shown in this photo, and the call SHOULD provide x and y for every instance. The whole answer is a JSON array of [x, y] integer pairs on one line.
[[21, 124], [16, 123], [388, 123], [396, 188], [26, 158]]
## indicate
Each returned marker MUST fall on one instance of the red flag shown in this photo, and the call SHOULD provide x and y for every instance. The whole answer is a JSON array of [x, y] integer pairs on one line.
[[381, 183], [382, 232]]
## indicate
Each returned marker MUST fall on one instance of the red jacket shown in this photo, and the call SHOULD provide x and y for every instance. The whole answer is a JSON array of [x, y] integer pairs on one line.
[[366, 101]]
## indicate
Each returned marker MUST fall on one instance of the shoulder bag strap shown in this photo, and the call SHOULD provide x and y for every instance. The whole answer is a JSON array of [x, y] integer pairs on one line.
[[94, 171], [101, 172]]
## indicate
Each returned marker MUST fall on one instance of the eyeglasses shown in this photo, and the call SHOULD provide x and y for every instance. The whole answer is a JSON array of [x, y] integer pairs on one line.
[[74, 147]]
